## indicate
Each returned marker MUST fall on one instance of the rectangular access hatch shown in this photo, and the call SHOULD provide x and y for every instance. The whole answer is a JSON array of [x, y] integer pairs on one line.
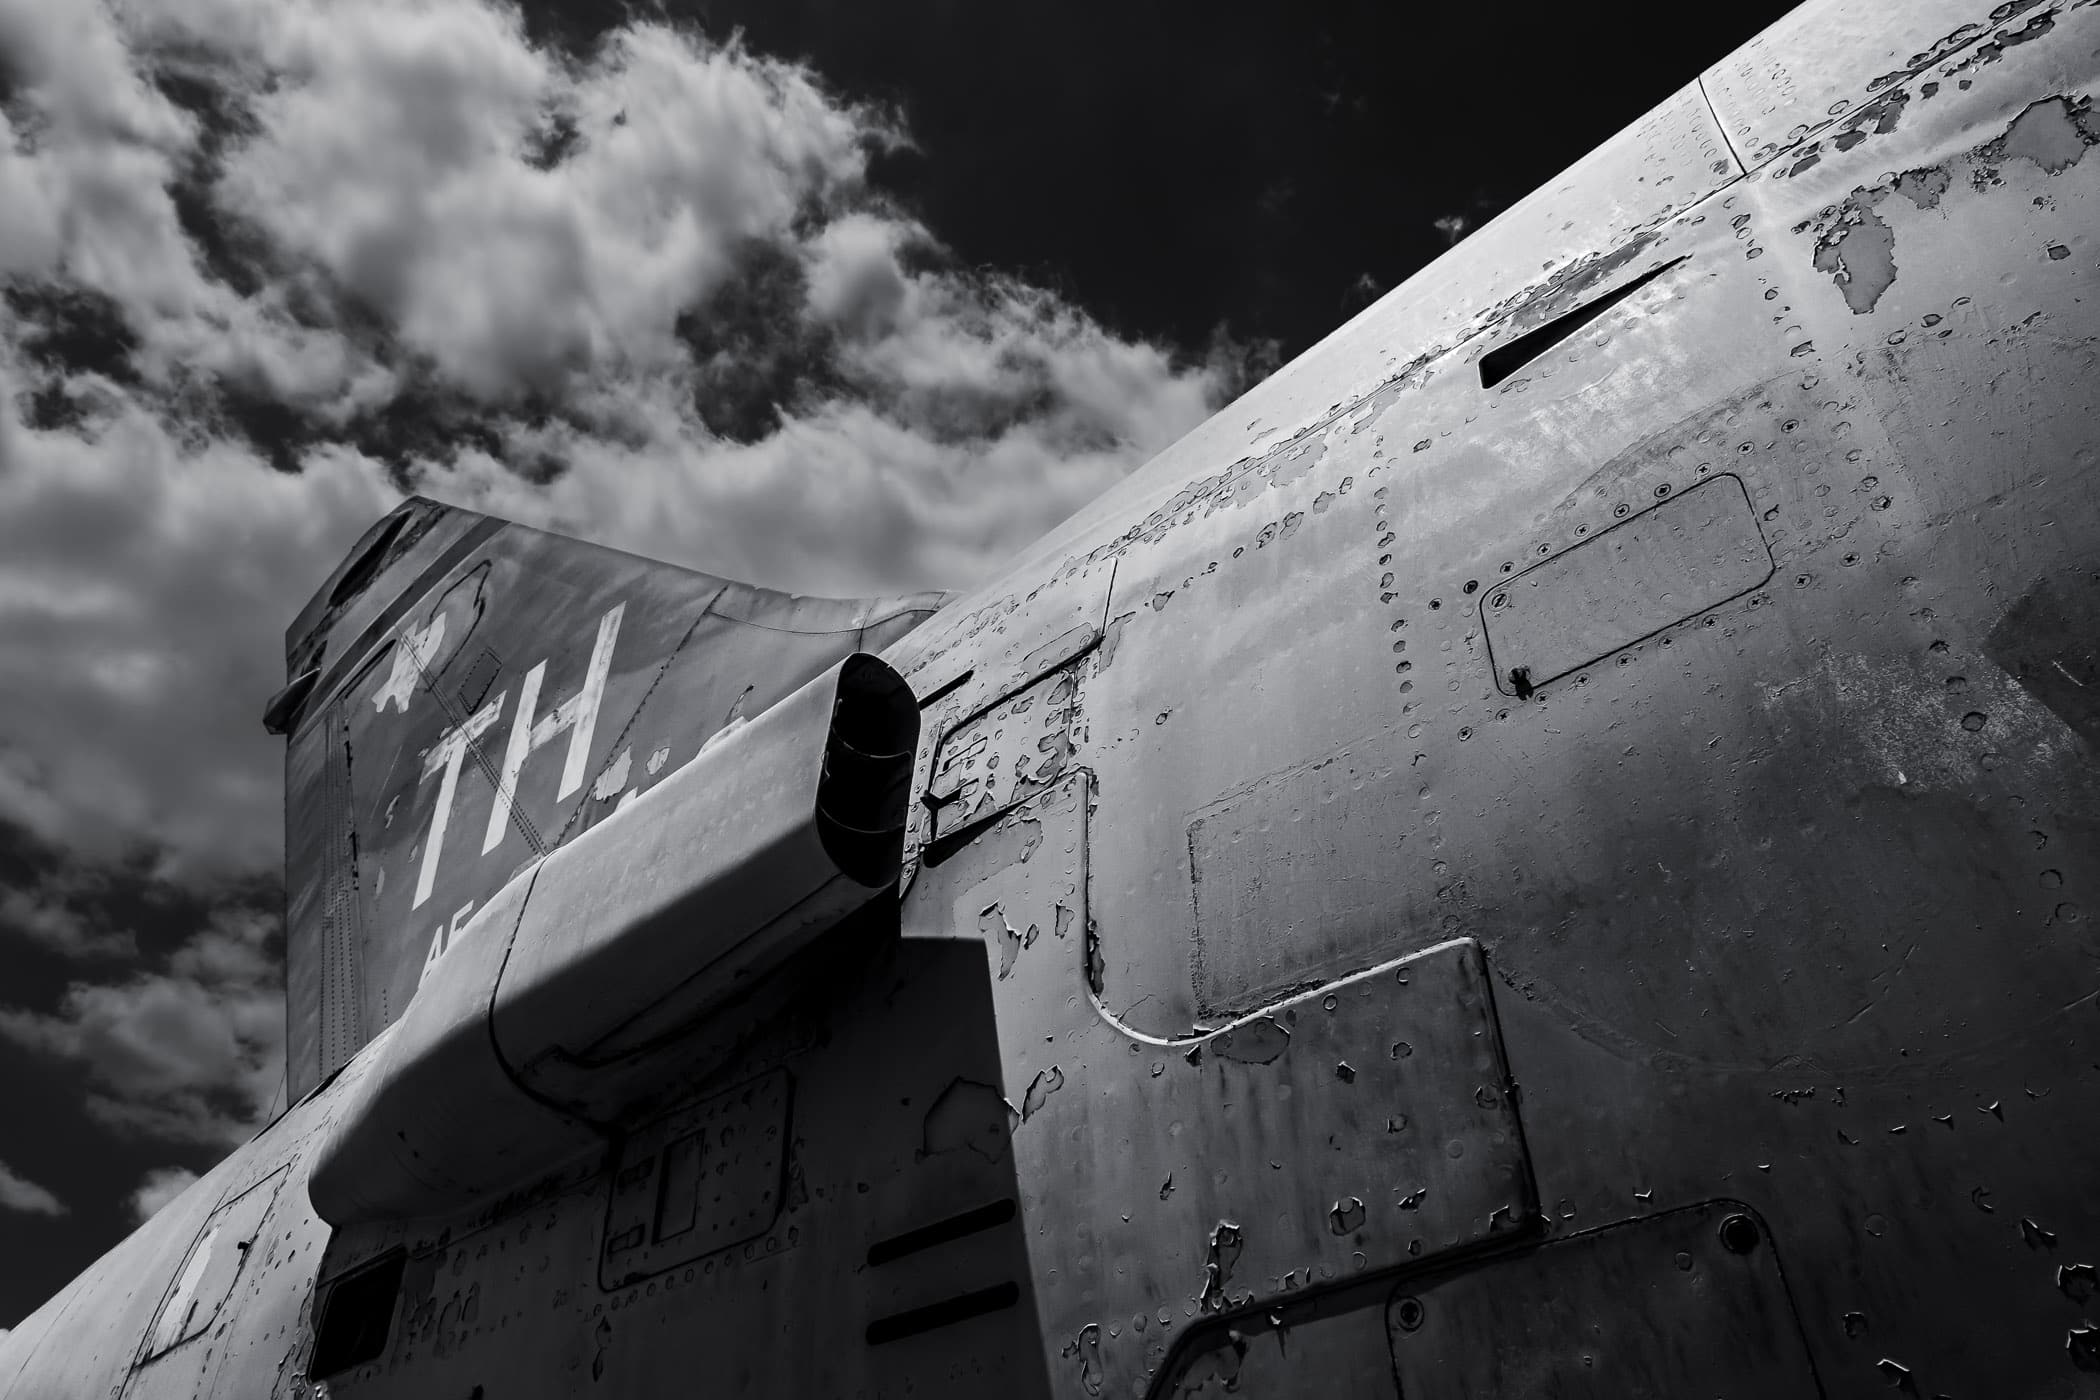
[[1673, 561], [1683, 1305], [1004, 755], [212, 1267], [1689, 1303], [702, 1179]]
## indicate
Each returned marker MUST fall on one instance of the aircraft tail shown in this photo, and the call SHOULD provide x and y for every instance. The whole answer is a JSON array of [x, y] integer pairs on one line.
[[466, 695]]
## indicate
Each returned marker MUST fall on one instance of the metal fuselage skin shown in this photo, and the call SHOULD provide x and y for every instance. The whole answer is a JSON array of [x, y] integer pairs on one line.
[[1578, 885]]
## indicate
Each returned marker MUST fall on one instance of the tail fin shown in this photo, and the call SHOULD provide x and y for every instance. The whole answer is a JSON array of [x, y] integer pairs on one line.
[[468, 694]]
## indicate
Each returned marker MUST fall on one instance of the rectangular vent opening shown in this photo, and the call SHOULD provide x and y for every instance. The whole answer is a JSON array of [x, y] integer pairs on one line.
[[678, 1187], [955, 1227], [1503, 361], [945, 689], [356, 1316], [945, 1313]]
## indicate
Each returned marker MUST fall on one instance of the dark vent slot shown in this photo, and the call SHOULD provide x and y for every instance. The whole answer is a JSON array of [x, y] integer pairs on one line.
[[1501, 362], [363, 568], [898, 1326], [946, 688], [943, 847], [355, 1318], [955, 1227]]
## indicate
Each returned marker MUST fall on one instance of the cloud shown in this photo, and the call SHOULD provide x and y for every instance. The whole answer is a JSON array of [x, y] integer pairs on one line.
[[269, 263], [47, 914], [191, 1052], [16, 1193], [160, 1186], [143, 590]]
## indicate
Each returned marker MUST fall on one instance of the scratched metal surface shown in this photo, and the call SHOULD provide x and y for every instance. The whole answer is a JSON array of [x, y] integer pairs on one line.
[[1356, 1129], [1787, 902]]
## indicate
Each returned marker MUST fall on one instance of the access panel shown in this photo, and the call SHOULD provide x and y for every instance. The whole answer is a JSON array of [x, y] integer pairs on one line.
[[1688, 1303], [1653, 570]]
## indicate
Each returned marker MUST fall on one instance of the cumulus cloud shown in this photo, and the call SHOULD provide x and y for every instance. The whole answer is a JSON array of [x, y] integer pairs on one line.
[[48, 913], [18, 1193], [189, 1052], [160, 1186], [269, 263]]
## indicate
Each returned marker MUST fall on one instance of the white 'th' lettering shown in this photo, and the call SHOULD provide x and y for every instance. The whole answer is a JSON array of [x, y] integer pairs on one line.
[[578, 715], [444, 758]]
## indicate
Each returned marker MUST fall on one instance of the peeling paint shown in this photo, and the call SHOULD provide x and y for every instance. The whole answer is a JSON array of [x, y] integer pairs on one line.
[[1859, 252], [1951, 43], [992, 923], [1046, 1083], [1111, 638], [1220, 1257], [1994, 48], [614, 779], [1856, 246], [1923, 188], [1259, 1042], [2052, 133]]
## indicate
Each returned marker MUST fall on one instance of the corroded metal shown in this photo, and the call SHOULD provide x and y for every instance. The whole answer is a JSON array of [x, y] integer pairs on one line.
[[1693, 704]]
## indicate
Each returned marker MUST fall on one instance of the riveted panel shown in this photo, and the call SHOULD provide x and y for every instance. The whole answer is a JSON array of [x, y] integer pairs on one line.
[[1651, 571], [697, 1181], [210, 1307], [1396, 1075], [1005, 755], [1289, 876], [1689, 1303]]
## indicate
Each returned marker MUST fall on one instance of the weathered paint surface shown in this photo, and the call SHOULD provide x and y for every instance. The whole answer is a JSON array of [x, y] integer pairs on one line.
[[488, 718], [1701, 1002]]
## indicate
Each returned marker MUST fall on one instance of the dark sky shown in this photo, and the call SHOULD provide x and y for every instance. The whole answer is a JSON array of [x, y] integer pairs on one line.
[[1175, 170], [1268, 166]]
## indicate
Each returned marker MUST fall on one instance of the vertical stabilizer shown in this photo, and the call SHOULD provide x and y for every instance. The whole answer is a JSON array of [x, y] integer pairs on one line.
[[466, 695]]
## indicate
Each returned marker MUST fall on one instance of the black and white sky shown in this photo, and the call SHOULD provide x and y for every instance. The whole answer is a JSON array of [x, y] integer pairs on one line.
[[833, 295]]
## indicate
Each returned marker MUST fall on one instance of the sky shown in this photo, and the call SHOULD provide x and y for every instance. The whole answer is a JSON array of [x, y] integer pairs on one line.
[[830, 295]]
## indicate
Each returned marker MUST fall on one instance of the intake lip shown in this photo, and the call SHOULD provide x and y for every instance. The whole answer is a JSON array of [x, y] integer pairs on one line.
[[866, 782]]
